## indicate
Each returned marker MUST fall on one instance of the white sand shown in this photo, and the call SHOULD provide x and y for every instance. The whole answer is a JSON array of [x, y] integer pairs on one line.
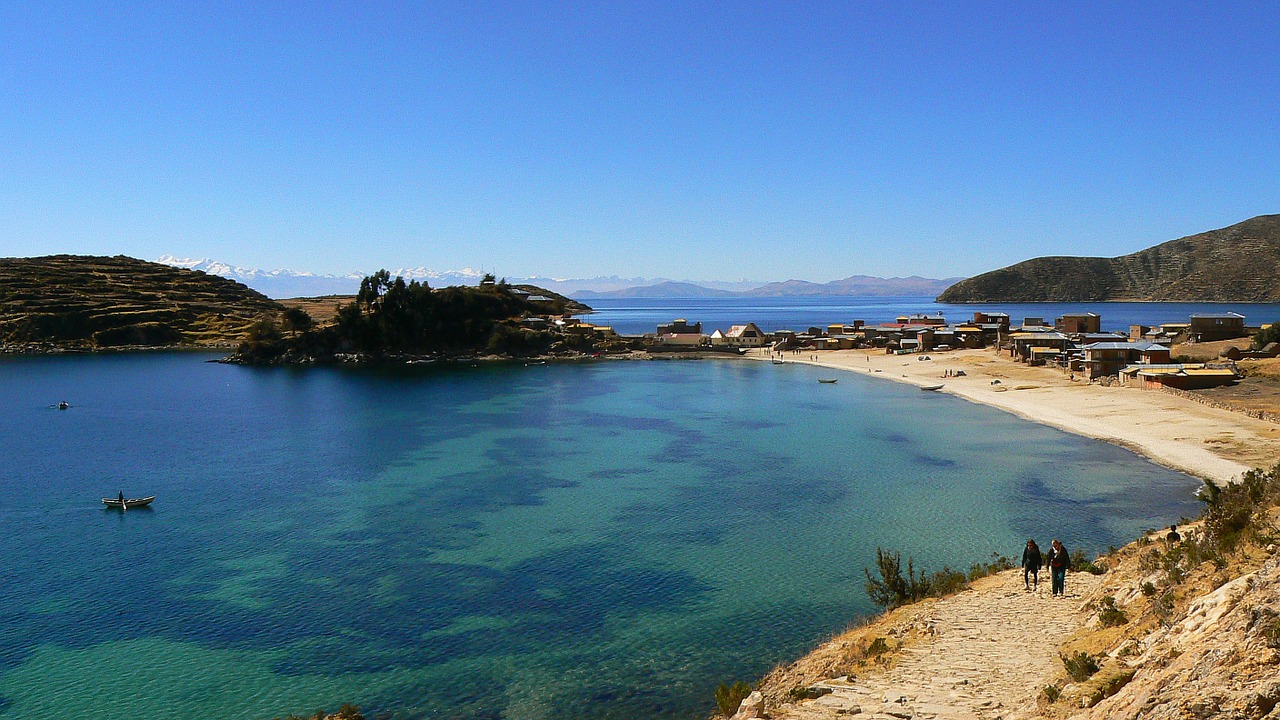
[[1182, 434]]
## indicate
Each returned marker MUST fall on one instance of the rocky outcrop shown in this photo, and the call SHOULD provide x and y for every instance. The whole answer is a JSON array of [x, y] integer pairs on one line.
[[1220, 661], [1232, 264]]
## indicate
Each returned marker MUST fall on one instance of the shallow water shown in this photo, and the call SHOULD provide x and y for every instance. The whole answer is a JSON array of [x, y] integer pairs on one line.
[[587, 541]]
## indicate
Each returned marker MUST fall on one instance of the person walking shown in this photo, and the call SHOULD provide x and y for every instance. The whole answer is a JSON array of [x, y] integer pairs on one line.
[[1059, 564], [1031, 562]]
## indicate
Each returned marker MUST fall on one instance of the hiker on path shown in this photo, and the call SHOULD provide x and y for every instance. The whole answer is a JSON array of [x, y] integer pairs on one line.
[[1173, 538], [1059, 564], [1031, 562]]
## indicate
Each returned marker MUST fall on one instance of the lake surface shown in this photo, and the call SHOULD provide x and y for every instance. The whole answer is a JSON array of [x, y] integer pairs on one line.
[[585, 541], [636, 316]]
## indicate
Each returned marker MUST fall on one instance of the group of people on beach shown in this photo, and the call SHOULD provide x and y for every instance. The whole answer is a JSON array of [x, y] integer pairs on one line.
[[1058, 560]]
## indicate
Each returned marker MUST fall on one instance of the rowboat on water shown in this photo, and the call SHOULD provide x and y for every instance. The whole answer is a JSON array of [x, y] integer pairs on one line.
[[830, 381], [126, 503]]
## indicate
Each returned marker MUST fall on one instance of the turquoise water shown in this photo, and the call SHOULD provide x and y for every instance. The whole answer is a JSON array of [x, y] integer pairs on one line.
[[592, 541]]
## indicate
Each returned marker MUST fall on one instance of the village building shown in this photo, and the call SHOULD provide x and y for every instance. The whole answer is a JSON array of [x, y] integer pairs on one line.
[[1207, 327], [1109, 358], [680, 326], [1074, 323], [991, 318], [1021, 344], [682, 334], [1189, 376], [748, 335], [921, 319]]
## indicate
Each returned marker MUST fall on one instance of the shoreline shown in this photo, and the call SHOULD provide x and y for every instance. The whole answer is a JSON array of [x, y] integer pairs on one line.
[[1181, 434]]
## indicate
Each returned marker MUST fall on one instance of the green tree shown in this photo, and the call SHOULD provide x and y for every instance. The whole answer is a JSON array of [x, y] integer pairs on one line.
[[296, 320]]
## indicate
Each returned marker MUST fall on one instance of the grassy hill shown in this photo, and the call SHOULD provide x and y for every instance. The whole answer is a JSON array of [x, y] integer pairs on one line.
[[1232, 264], [91, 302]]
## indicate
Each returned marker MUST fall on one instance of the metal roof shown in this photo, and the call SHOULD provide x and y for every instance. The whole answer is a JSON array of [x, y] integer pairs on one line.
[[1217, 372], [1139, 346]]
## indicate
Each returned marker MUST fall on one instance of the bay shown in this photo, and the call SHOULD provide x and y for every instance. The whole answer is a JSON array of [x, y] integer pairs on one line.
[[637, 316], [557, 541]]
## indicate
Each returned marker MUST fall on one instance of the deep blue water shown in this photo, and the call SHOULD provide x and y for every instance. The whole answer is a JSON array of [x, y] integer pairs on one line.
[[585, 541], [636, 316]]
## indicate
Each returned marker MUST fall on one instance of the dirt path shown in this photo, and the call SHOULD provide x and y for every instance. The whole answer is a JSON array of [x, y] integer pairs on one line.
[[993, 650]]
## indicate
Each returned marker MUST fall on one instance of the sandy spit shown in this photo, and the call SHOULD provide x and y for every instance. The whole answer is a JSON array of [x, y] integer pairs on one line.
[[1181, 434]]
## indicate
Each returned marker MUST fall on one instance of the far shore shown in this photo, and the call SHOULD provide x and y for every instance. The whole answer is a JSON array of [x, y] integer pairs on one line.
[[1207, 442]]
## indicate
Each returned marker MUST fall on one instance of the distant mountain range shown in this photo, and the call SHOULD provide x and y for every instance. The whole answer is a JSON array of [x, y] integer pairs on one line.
[[289, 283], [1231, 264], [857, 285]]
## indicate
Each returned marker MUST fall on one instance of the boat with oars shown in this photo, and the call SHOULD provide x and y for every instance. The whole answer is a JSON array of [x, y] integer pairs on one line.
[[123, 503]]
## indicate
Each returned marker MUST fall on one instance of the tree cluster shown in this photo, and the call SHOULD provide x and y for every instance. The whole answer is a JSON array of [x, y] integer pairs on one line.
[[391, 317]]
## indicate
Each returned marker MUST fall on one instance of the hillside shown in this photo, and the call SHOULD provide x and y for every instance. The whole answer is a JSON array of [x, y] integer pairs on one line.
[[1231, 264], [88, 302]]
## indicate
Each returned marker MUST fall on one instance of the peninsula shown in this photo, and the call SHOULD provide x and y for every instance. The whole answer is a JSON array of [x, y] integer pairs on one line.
[[80, 302], [1231, 264]]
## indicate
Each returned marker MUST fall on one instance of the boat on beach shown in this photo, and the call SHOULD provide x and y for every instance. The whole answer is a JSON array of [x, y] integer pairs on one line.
[[126, 503], [930, 388]]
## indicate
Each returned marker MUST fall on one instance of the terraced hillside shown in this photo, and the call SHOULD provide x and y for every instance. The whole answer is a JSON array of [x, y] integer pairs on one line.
[[107, 302], [1231, 264]]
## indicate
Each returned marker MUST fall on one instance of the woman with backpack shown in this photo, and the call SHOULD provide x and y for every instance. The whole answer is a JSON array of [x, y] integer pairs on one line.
[[1031, 562], [1059, 564]]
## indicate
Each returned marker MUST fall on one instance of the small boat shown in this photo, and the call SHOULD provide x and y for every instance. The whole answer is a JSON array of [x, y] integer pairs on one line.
[[830, 381], [64, 405], [777, 361], [127, 503], [930, 388]]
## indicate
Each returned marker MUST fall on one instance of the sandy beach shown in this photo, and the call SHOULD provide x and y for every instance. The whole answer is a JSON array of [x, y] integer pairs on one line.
[[1178, 433]]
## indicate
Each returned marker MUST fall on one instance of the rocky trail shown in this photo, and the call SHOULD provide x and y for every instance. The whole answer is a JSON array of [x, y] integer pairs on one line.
[[987, 654]]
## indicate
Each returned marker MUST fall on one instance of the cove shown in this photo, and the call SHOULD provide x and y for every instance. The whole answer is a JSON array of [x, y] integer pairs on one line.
[[558, 541]]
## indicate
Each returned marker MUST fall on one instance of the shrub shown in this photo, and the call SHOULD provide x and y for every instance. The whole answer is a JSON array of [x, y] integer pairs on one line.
[[1163, 607], [1238, 511], [1148, 589], [1052, 693], [998, 563], [730, 697], [946, 582], [1081, 666], [1266, 335], [1109, 615], [877, 647], [1082, 563], [893, 589]]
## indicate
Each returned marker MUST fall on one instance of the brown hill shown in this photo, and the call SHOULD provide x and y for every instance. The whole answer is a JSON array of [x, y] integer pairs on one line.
[[98, 302], [1232, 264]]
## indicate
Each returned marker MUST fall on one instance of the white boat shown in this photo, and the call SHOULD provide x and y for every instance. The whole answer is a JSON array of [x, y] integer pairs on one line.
[[930, 388]]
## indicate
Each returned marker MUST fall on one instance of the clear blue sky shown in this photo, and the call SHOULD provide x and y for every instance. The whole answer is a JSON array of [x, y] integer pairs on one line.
[[718, 140]]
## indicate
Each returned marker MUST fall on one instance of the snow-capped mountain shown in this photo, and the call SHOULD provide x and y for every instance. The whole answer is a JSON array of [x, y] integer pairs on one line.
[[290, 283], [273, 283]]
